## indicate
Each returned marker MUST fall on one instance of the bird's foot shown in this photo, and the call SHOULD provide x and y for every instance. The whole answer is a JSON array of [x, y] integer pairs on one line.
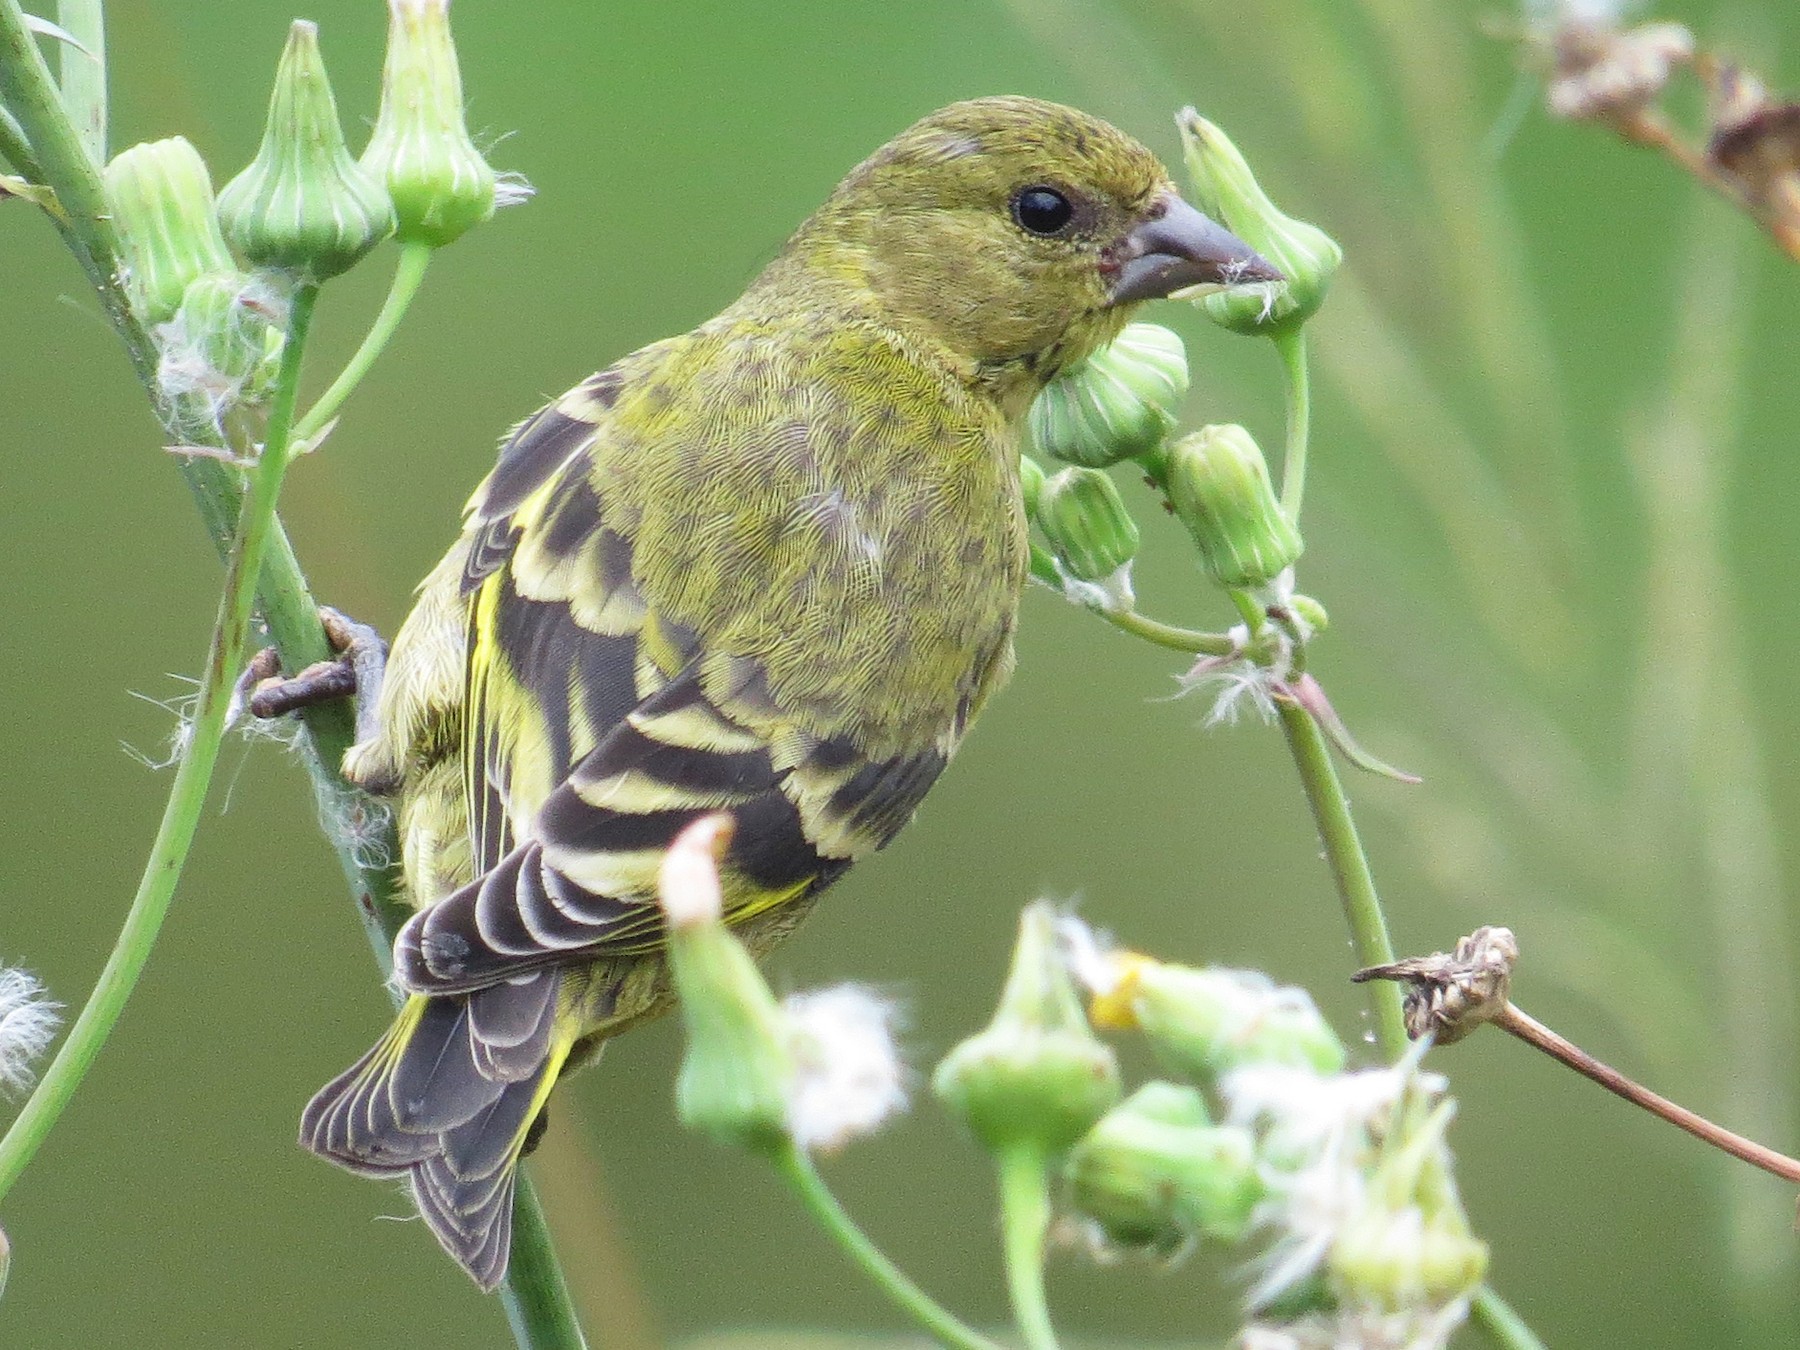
[[355, 672]]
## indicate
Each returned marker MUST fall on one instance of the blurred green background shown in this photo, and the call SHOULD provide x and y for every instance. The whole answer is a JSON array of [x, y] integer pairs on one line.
[[1551, 514]]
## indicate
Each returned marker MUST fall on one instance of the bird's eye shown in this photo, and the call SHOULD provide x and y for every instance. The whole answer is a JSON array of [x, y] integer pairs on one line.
[[1042, 210]]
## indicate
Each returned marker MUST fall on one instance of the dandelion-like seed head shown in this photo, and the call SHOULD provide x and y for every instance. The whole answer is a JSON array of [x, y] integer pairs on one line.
[[849, 1077], [28, 1022]]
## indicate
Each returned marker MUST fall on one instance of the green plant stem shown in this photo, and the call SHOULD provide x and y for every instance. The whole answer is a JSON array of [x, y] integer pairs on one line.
[[84, 72], [187, 794], [1349, 869], [408, 273], [796, 1168], [1025, 1220], [14, 148], [1504, 1325], [1189, 640], [1369, 938], [536, 1296], [1297, 383]]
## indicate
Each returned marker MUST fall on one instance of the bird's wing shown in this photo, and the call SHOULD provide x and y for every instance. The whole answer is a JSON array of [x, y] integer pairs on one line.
[[595, 730]]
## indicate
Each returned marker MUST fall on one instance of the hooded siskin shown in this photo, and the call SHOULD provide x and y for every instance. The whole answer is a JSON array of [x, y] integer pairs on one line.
[[770, 567]]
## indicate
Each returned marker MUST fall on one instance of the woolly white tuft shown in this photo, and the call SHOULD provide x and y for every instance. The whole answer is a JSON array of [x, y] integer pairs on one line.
[[849, 1077], [28, 1022]]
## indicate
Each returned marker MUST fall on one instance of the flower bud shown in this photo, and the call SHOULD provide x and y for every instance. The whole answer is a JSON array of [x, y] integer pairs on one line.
[[1118, 404], [1205, 1023], [1155, 1173], [1037, 1078], [1031, 484], [161, 199], [303, 205], [1220, 489], [1304, 254], [440, 184], [1085, 520], [739, 1068], [1401, 1259]]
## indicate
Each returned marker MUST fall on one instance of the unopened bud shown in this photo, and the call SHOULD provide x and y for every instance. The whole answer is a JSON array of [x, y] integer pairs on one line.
[[161, 199], [1304, 254], [1155, 1172], [1118, 404], [738, 1071], [1220, 489], [1400, 1259], [1037, 1078], [441, 185], [303, 206], [1031, 484], [1205, 1023], [1085, 520]]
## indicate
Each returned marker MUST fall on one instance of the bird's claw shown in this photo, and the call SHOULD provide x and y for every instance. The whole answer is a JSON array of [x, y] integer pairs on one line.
[[355, 671]]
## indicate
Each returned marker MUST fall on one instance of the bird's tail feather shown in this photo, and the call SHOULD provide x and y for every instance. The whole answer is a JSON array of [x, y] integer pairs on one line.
[[448, 1096]]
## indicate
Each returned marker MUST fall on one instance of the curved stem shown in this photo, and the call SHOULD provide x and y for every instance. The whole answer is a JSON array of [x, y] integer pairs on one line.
[[1291, 344], [536, 1296], [1349, 869], [1189, 640], [1504, 1325], [797, 1169], [408, 273], [1025, 1219], [187, 794]]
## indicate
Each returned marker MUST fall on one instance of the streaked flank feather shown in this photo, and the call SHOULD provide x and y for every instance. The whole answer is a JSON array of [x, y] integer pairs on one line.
[[770, 567]]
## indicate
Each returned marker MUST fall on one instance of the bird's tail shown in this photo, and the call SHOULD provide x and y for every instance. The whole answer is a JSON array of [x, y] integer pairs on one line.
[[449, 1096]]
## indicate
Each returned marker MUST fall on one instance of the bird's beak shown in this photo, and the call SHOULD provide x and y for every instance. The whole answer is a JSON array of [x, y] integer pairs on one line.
[[1176, 249]]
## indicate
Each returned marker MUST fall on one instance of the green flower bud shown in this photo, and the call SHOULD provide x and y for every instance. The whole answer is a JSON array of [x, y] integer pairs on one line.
[[1155, 1173], [1401, 1259], [738, 1072], [1118, 404], [1310, 613], [161, 199], [440, 184], [1085, 520], [1304, 254], [1037, 1078], [1205, 1023], [1031, 484], [303, 206], [1220, 489], [224, 341]]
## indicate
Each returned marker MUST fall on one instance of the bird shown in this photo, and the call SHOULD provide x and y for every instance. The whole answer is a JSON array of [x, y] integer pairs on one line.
[[771, 568]]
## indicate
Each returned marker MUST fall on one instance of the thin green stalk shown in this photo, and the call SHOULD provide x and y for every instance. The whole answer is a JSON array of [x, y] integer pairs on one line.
[[1369, 938], [1349, 869], [408, 273], [1025, 1221], [1297, 384], [187, 794], [1506, 1327], [15, 149], [536, 1296], [796, 1168], [84, 72], [1167, 635]]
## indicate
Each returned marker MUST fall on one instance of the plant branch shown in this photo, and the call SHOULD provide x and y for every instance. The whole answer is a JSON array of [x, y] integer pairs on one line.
[[83, 72], [1025, 1220], [796, 1168], [187, 794], [408, 273], [1189, 640], [1290, 343], [1534, 1033], [536, 1296], [1349, 868]]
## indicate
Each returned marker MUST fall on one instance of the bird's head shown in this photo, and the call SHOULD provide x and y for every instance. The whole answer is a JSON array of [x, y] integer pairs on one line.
[[1016, 234]]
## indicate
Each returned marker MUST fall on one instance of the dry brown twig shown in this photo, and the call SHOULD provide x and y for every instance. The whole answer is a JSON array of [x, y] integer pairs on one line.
[[1602, 72], [1450, 994]]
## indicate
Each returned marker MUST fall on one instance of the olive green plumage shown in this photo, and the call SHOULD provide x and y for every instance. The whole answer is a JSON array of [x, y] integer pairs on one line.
[[769, 567]]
